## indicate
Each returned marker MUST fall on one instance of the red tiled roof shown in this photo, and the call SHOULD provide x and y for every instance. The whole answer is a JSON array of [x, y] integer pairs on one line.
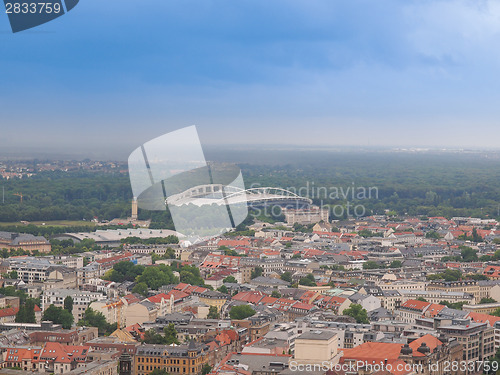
[[492, 271], [130, 298], [303, 306], [55, 352], [434, 309], [249, 297], [8, 311], [414, 304], [483, 318], [268, 300], [182, 286], [115, 258], [17, 355], [234, 243], [431, 341], [373, 352], [157, 298], [178, 295]]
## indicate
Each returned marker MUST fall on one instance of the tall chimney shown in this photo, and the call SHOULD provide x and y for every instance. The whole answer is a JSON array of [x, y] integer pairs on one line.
[[134, 208]]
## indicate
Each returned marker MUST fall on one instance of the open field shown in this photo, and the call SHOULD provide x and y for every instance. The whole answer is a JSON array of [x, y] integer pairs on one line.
[[56, 223]]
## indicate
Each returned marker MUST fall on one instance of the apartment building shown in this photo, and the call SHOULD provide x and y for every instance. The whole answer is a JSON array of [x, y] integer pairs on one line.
[[306, 216], [41, 271], [24, 241], [81, 300], [402, 285], [68, 261], [436, 296], [477, 339], [316, 347], [183, 359], [465, 286], [269, 265]]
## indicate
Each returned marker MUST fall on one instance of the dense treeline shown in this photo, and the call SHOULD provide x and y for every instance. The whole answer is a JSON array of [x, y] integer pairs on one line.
[[425, 184], [66, 196], [156, 276], [416, 184]]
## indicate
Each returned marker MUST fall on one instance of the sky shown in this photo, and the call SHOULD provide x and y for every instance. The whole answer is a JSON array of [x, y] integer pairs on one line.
[[111, 75]]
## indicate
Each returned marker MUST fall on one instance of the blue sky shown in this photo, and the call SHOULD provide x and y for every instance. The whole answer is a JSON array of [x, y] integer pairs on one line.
[[113, 74]]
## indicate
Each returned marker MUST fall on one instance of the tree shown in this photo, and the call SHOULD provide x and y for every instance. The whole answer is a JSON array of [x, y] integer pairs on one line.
[[275, 294], [230, 279], [153, 337], [396, 264], [241, 312], [213, 313], [421, 299], [158, 371], [58, 315], [366, 233], [308, 280], [286, 276], [223, 289], [68, 304], [357, 312], [13, 292], [468, 254], [455, 305], [475, 236], [448, 275], [191, 275], [371, 265], [141, 288], [92, 318], [231, 252], [478, 277], [433, 235], [13, 274], [487, 300], [170, 335], [26, 313], [157, 276], [258, 271], [206, 369], [125, 271]]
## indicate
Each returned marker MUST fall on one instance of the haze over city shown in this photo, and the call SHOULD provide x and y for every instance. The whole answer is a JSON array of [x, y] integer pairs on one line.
[[385, 73]]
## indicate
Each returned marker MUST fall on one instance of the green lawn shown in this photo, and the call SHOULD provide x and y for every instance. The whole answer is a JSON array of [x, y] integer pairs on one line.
[[58, 223]]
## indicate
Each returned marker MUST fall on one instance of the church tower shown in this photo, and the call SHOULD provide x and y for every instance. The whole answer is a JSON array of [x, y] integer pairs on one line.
[[125, 364]]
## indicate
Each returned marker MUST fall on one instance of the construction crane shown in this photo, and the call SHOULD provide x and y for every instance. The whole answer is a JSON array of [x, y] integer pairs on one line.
[[118, 306], [20, 195]]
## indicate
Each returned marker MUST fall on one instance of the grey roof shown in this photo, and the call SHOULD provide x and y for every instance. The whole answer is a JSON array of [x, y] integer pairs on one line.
[[23, 238], [213, 294], [268, 281], [259, 362], [176, 351], [149, 305], [391, 293], [317, 335], [380, 313], [452, 313], [357, 297]]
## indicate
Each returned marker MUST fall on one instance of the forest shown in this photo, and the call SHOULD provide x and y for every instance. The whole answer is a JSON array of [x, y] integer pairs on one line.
[[425, 184]]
